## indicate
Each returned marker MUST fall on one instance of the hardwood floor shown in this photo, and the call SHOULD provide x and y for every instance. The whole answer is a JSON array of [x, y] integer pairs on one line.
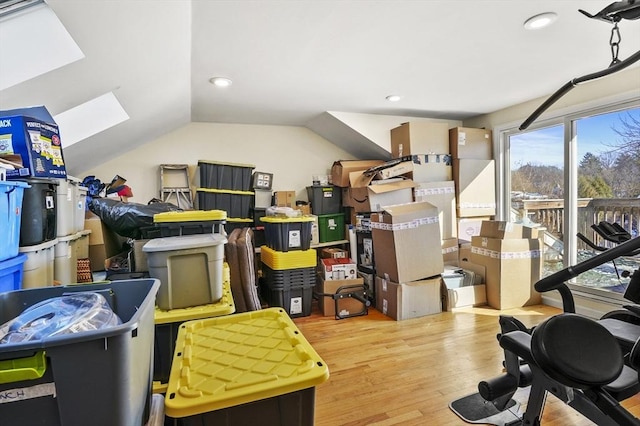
[[385, 372]]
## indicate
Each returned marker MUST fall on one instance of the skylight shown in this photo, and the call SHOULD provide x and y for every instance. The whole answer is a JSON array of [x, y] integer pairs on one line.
[[33, 42], [89, 118]]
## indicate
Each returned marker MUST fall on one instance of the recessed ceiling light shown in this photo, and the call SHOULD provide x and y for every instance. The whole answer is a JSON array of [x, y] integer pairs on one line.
[[540, 21], [220, 81], [393, 98]]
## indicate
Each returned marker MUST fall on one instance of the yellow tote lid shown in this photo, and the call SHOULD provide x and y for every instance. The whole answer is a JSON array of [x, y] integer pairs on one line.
[[190, 216], [235, 359], [224, 191], [282, 219], [279, 260], [225, 306]]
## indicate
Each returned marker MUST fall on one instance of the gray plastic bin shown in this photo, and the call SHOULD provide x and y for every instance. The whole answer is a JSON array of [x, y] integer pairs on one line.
[[97, 378], [189, 268]]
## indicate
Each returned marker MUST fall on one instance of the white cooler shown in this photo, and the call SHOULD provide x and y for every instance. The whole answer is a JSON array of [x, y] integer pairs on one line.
[[189, 268], [66, 194], [38, 268]]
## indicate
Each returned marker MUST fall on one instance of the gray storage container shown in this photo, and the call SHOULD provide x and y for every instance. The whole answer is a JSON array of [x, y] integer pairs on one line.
[[189, 268], [98, 378]]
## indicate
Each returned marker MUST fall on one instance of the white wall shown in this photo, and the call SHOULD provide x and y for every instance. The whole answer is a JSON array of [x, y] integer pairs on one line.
[[597, 92], [292, 154]]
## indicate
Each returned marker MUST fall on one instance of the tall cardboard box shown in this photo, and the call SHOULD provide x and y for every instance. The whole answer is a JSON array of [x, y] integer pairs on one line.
[[450, 251], [406, 242], [431, 168], [475, 187], [402, 301], [501, 229], [512, 268], [347, 305], [443, 196], [467, 142], [420, 137], [469, 227], [103, 242], [341, 169]]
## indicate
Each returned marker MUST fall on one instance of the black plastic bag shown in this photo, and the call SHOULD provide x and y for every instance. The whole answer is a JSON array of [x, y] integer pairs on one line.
[[126, 219]]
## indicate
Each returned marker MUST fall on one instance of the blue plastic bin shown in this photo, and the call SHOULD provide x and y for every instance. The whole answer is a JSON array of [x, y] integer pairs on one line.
[[11, 273], [11, 195]]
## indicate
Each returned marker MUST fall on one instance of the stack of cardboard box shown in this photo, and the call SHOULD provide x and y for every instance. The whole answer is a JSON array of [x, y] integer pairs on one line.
[[511, 255]]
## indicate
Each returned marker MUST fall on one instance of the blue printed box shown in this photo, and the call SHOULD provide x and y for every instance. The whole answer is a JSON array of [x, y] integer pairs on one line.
[[34, 144]]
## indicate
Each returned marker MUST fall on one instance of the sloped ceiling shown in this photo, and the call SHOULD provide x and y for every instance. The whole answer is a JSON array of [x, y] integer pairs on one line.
[[299, 62]]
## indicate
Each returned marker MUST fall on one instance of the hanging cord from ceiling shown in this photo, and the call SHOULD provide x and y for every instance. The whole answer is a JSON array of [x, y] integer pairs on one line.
[[628, 9]]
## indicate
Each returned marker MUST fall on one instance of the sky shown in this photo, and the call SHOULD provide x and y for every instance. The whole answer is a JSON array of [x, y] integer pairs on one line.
[[545, 146]]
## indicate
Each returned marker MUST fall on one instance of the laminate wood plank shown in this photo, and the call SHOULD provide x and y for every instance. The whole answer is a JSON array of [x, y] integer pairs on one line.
[[385, 372]]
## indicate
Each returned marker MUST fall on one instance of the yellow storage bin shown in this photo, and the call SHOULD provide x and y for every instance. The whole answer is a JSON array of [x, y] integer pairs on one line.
[[280, 260], [190, 216], [241, 368]]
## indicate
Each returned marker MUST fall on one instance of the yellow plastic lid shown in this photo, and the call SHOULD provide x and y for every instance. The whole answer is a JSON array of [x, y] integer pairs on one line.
[[224, 191], [283, 219], [225, 306], [239, 220], [279, 260], [190, 216], [235, 359]]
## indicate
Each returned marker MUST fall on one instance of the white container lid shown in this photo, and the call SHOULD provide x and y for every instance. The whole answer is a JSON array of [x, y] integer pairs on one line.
[[42, 246], [184, 242], [70, 237]]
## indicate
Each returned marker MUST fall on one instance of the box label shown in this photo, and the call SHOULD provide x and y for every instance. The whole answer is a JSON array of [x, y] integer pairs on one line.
[[296, 305], [21, 394], [295, 238]]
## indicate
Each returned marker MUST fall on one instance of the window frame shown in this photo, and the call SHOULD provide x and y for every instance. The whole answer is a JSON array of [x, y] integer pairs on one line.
[[567, 117]]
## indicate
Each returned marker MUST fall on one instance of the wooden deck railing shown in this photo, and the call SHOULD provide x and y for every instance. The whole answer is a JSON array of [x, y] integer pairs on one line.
[[549, 213]]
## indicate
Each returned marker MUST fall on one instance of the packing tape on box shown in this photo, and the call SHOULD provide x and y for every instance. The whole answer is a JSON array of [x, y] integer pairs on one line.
[[415, 223], [528, 254], [421, 192], [477, 205], [448, 250]]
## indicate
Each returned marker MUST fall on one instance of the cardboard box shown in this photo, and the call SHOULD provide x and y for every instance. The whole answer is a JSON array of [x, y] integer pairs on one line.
[[420, 137], [450, 251], [467, 142], [479, 271], [443, 196], [139, 257], [475, 187], [432, 168], [402, 301], [366, 195], [402, 168], [502, 229], [469, 227], [512, 269], [285, 198], [406, 242], [338, 269], [341, 169], [35, 144], [474, 295], [347, 305], [304, 208], [333, 252], [103, 242]]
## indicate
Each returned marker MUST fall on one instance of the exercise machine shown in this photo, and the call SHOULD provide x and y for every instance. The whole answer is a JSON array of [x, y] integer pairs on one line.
[[589, 373]]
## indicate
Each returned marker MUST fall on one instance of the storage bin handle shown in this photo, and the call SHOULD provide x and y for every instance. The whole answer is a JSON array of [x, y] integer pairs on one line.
[[20, 369]]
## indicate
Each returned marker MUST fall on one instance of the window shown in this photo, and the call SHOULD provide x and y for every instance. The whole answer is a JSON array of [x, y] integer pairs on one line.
[[569, 173]]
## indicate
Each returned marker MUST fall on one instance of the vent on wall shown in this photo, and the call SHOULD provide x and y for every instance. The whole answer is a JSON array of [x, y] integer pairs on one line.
[[7, 7]]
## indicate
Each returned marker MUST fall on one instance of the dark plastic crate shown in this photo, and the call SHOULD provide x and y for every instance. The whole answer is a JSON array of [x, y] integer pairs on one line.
[[279, 279], [229, 176], [164, 345], [291, 409], [325, 199], [294, 299], [284, 234], [235, 203], [101, 377], [39, 212], [176, 229]]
